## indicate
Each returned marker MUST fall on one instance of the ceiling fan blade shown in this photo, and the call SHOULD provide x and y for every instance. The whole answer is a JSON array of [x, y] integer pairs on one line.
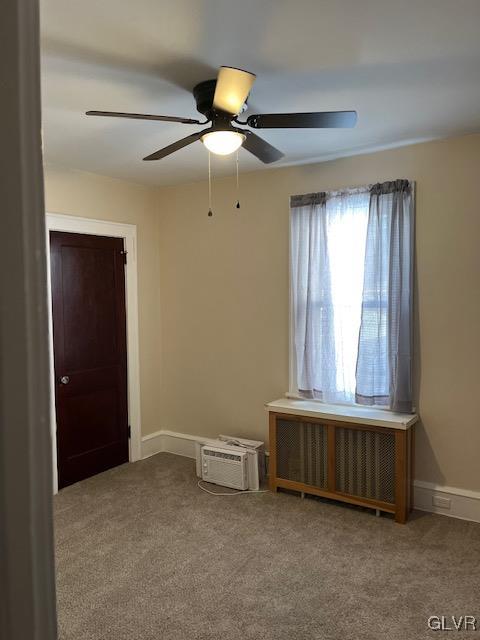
[[319, 120], [232, 89], [260, 148], [176, 146], [141, 116]]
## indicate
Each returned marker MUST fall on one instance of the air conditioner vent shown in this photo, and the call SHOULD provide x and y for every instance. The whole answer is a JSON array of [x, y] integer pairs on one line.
[[222, 454]]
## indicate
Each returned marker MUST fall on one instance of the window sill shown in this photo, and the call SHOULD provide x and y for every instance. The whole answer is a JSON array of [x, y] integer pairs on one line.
[[343, 413]]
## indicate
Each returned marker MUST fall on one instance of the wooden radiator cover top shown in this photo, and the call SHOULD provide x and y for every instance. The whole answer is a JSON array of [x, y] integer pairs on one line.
[[343, 413]]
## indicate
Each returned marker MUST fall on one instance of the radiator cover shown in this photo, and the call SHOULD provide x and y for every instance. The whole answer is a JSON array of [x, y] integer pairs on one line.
[[361, 464]]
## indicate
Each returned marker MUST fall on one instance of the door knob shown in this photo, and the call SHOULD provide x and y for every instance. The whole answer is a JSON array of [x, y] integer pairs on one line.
[[64, 379]]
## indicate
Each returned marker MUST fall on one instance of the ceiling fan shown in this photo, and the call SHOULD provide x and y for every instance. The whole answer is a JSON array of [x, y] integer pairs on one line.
[[221, 101]]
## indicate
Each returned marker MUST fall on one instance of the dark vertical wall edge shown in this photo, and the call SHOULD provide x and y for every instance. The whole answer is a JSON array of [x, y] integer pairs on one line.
[[27, 578]]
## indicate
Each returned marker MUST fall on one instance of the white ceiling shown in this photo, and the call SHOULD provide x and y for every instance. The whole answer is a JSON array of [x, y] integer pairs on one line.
[[411, 68]]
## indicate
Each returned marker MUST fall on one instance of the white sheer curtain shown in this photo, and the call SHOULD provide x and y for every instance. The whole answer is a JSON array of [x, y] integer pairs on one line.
[[328, 233], [351, 280]]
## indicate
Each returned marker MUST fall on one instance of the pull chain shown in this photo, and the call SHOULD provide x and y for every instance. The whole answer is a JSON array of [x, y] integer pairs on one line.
[[237, 206], [210, 212]]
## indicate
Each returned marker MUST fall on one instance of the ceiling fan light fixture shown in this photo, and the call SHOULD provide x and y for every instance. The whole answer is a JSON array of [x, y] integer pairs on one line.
[[223, 143], [232, 89]]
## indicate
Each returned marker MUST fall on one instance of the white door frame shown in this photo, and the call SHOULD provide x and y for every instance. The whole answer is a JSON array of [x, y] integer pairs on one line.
[[90, 226]]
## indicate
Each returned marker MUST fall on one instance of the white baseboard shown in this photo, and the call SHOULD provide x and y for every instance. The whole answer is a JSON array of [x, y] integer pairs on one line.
[[464, 504], [181, 444]]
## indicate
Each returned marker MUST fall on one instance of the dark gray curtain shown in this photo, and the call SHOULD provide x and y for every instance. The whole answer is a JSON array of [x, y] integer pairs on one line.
[[384, 364]]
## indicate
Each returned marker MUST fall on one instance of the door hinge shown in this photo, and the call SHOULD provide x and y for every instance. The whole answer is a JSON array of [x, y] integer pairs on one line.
[[129, 431], [124, 254]]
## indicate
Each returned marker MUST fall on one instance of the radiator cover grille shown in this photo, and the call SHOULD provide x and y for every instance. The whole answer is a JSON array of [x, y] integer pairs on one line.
[[364, 459], [302, 452], [365, 463]]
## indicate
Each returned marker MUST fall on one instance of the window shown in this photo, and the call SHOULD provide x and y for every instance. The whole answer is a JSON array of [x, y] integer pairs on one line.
[[351, 277]]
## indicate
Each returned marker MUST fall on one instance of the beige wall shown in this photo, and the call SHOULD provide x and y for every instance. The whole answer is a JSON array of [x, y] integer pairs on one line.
[[92, 196], [216, 349], [224, 293]]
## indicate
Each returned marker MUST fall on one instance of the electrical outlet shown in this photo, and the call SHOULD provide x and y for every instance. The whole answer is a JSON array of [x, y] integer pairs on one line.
[[441, 501]]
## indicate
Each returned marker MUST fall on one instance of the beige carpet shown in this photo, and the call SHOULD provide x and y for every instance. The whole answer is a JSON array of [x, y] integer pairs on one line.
[[143, 554]]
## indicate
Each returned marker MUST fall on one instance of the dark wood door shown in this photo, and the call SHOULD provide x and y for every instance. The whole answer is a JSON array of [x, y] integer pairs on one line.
[[90, 353]]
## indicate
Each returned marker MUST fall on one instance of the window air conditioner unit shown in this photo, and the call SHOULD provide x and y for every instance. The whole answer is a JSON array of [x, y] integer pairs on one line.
[[225, 467], [231, 462]]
